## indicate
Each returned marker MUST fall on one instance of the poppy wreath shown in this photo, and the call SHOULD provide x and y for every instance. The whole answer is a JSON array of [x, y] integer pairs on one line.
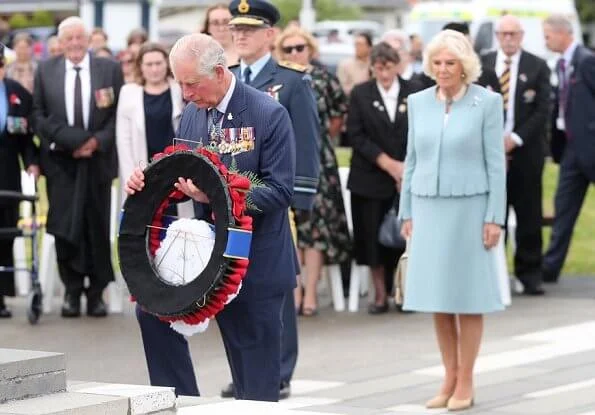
[[201, 299]]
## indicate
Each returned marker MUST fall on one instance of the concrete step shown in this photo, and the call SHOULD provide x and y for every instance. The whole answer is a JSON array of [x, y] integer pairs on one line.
[[26, 373], [142, 399], [68, 403]]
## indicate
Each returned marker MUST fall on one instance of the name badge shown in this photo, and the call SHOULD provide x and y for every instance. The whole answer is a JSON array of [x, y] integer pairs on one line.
[[17, 125]]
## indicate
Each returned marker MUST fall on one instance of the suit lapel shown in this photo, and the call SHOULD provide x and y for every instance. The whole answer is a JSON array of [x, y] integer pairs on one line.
[[237, 104], [58, 78], [522, 70], [95, 74], [381, 110], [265, 76], [402, 100]]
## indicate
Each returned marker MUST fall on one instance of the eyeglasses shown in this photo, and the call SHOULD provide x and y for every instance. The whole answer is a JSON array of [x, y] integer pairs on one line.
[[509, 34], [298, 48]]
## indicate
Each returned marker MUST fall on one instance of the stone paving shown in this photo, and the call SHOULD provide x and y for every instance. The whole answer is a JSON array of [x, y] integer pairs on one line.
[[538, 357]]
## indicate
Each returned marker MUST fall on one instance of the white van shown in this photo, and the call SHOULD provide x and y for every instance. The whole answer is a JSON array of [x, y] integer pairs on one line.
[[428, 18]]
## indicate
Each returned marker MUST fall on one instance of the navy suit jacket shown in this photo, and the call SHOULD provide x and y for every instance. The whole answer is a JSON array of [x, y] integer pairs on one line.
[[273, 262], [580, 112], [294, 92]]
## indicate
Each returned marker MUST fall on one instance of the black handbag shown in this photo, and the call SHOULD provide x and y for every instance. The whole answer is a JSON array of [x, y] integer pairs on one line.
[[389, 233]]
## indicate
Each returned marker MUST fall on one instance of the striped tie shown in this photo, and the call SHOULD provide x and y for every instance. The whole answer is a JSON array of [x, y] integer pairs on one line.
[[505, 83]]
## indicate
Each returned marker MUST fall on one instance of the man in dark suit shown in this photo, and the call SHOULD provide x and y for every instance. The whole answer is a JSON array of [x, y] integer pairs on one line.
[[252, 29], [251, 324], [377, 130], [488, 77], [16, 139], [573, 137], [74, 115], [525, 86]]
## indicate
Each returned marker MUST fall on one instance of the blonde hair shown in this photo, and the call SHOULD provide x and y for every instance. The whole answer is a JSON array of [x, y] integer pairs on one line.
[[457, 44], [297, 31]]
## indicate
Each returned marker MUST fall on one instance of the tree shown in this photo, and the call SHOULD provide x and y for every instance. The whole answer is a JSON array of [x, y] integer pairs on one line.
[[586, 10], [18, 21], [325, 9], [41, 18]]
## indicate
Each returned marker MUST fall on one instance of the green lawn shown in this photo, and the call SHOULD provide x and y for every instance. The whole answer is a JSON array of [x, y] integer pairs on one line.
[[581, 259]]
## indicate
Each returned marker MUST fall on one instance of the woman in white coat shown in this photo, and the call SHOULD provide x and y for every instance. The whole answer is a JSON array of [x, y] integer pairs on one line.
[[148, 111]]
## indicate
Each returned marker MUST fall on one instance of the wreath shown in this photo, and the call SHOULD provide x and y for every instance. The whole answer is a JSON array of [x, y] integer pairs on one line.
[[145, 224]]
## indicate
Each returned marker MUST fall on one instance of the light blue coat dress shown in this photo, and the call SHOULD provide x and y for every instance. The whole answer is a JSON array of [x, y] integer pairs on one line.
[[454, 183]]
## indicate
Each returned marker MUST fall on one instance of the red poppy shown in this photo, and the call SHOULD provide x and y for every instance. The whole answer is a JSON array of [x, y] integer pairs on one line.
[[14, 99]]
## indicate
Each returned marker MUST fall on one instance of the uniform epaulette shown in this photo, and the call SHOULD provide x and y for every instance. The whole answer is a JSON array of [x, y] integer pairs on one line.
[[294, 66]]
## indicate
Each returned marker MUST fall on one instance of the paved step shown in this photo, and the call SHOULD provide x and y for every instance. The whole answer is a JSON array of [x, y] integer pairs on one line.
[[68, 403], [26, 373]]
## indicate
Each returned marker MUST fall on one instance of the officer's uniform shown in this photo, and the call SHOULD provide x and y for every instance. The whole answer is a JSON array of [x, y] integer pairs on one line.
[[290, 86]]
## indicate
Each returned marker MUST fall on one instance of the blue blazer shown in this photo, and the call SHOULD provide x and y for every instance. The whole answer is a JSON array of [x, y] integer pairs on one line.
[[273, 262], [465, 157], [294, 92]]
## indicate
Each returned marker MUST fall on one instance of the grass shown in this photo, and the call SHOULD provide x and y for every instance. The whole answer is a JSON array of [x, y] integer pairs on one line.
[[581, 258]]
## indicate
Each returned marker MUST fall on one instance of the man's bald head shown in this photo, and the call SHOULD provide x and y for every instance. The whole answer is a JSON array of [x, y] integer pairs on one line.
[[510, 34]]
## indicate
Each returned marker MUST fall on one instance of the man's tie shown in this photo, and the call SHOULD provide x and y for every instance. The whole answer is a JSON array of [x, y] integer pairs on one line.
[[247, 73], [78, 99], [563, 85], [214, 128], [505, 84]]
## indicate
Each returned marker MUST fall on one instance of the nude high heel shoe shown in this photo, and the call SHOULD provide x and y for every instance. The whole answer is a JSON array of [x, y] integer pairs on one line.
[[459, 404], [439, 401]]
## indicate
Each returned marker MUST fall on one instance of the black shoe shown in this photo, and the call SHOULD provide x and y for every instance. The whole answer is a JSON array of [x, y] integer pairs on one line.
[[71, 306], [377, 309], [96, 308], [550, 277], [533, 290], [4, 312], [228, 391], [285, 390]]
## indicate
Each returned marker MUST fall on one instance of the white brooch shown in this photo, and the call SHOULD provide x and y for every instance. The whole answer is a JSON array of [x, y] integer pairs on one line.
[[229, 116], [476, 101], [529, 96], [377, 105], [402, 108], [523, 77]]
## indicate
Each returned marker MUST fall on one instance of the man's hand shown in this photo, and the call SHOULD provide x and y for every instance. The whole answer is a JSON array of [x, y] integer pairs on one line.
[[87, 149], [189, 189], [509, 144], [34, 170], [491, 235], [136, 182]]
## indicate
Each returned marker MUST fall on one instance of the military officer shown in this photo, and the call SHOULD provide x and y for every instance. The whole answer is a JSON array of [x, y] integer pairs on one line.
[[253, 34]]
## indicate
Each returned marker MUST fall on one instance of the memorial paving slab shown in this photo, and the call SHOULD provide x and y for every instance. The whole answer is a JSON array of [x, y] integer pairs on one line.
[[538, 357]]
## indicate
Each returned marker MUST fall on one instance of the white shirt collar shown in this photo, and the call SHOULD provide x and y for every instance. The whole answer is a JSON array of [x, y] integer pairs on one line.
[[84, 64], [393, 91], [224, 103], [569, 53], [501, 56]]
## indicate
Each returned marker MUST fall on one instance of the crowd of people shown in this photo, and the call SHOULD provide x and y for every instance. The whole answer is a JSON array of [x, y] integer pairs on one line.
[[448, 138]]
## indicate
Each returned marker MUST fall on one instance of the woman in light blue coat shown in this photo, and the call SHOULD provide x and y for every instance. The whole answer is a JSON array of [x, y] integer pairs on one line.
[[452, 205]]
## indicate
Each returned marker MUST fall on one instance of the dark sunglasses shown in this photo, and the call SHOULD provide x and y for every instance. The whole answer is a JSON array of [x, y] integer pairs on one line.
[[289, 49]]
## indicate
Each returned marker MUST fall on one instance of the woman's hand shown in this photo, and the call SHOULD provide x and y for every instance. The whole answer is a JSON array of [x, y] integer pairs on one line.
[[189, 189], [491, 235], [136, 182], [393, 167], [406, 229]]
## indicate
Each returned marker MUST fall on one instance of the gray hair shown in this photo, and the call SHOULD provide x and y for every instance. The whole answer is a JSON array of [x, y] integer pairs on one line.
[[383, 53], [205, 50], [559, 22], [71, 21], [457, 44], [396, 34]]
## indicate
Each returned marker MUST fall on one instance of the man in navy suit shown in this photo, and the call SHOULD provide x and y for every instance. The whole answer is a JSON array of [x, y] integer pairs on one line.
[[251, 324], [573, 137], [252, 28]]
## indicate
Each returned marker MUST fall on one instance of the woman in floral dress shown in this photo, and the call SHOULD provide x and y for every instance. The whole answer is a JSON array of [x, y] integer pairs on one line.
[[324, 238]]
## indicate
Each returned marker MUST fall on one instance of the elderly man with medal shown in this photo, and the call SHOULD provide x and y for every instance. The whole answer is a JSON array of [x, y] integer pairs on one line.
[[243, 136]]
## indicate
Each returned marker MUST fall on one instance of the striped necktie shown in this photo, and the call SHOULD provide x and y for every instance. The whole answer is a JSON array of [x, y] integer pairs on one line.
[[505, 83]]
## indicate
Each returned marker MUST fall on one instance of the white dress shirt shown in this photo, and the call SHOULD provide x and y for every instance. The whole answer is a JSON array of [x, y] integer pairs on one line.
[[514, 72], [85, 74], [390, 98]]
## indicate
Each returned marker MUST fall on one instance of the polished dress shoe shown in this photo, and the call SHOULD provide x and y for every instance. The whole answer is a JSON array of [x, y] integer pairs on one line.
[[228, 391], [533, 290], [439, 401], [459, 404], [549, 277], [71, 306], [284, 390], [377, 309], [96, 308]]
